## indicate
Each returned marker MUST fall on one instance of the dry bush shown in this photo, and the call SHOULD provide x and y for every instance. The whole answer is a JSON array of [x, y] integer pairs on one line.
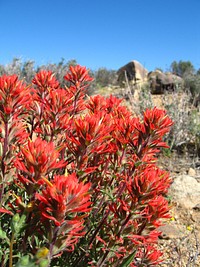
[[185, 133]]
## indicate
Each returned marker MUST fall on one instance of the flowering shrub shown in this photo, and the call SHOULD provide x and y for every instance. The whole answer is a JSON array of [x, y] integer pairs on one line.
[[79, 184]]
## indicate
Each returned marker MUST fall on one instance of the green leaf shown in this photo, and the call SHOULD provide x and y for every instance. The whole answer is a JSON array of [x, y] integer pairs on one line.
[[128, 260], [18, 223], [44, 263], [24, 261], [3, 234], [27, 261], [1, 150], [22, 221], [15, 223], [138, 163]]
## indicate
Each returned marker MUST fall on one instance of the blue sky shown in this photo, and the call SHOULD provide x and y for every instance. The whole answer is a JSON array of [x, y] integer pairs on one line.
[[101, 33]]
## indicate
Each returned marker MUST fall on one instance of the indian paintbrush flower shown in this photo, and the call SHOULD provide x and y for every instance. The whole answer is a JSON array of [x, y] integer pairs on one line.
[[85, 173]]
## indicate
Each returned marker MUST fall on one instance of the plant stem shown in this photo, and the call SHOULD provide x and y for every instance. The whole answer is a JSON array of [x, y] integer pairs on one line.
[[5, 148], [11, 250], [102, 260], [55, 234]]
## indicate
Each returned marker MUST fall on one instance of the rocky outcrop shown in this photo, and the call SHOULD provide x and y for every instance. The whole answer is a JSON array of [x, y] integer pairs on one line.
[[174, 79], [134, 71], [157, 80], [160, 82]]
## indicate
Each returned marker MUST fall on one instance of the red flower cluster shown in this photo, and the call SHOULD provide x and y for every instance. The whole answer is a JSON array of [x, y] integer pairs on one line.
[[45, 80], [85, 171], [62, 197], [78, 75], [64, 201], [14, 96], [38, 159]]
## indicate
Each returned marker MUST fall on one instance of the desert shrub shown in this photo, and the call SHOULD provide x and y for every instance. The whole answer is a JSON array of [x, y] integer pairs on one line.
[[178, 106], [79, 181], [194, 131], [182, 68], [192, 83], [104, 77], [184, 134], [59, 69]]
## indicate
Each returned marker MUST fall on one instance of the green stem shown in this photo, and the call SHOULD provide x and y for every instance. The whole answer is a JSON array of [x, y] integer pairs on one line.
[[11, 250], [55, 235], [5, 149]]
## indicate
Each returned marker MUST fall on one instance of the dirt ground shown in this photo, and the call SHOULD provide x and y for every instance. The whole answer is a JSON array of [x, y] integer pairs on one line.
[[180, 238]]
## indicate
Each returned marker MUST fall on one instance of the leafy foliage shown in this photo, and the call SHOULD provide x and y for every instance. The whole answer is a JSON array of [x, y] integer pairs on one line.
[[182, 68]]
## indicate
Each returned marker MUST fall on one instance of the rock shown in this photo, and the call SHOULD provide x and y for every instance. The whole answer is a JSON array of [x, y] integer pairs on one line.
[[134, 71], [169, 232], [197, 164], [196, 218], [191, 172], [197, 207], [185, 190]]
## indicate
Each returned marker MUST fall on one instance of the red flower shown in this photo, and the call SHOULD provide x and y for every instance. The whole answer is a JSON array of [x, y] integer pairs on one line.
[[38, 159], [148, 182], [63, 199], [91, 136], [57, 108], [157, 208], [149, 256], [111, 105], [96, 103], [157, 120], [17, 132], [14, 95], [5, 211], [45, 80], [78, 75]]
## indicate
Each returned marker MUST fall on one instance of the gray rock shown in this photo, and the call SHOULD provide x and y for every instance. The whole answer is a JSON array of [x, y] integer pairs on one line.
[[169, 232], [185, 190]]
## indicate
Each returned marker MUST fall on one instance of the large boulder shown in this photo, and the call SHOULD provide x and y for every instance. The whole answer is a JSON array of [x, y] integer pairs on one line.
[[134, 71], [174, 79], [185, 190], [160, 82]]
